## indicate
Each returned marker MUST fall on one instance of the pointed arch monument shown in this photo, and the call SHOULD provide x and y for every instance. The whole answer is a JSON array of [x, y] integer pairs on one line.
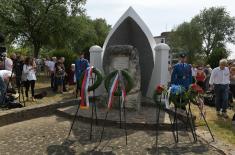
[[130, 30]]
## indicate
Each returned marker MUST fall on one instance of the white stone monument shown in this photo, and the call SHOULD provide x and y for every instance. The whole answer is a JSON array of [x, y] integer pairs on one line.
[[153, 58]]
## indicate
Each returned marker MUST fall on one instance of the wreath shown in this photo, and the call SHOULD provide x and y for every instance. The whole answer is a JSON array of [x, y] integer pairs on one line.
[[127, 80], [179, 96], [97, 82]]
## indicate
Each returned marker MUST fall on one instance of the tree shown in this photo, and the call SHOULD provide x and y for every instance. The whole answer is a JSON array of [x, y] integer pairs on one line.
[[219, 53], [82, 32], [33, 21], [186, 37], [216, 27], [102, 29]]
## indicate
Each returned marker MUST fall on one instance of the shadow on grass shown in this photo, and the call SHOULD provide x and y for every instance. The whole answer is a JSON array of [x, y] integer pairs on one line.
[[181, 148]]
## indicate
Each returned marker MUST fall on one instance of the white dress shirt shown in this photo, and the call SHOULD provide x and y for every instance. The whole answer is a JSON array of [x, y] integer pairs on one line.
[[219, 76], [51, 66], [29, 72], [194, 71], [8, 64]]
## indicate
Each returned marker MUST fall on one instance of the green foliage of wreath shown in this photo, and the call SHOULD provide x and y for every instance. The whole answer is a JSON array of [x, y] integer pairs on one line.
[[129, 82], [97, 82], [179, 101], [156, 98]]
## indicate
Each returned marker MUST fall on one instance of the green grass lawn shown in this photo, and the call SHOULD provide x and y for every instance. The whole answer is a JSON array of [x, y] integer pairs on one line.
[[221, 128]]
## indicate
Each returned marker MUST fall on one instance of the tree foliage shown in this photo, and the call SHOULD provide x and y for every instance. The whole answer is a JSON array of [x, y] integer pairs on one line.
[[216, 27], [186, 38], [32, 22], [218, 54], [205, 36]]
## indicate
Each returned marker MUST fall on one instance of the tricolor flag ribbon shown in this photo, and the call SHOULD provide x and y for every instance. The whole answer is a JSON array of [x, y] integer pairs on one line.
[[117, 82], [122, 85], [84, 90], [112, 91]]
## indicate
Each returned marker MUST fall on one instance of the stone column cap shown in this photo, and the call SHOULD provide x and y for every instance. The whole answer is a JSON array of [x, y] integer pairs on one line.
[[161, 46], [95, 49]]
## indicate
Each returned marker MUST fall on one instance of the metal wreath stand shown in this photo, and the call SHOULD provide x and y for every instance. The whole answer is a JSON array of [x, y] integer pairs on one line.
[[174, 124], [94, 109], [122, 109]]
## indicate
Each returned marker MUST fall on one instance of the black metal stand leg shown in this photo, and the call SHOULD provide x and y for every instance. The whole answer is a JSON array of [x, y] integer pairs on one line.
[[120, 112], [75, 116], [101, 137], [96, 118], [192, 123], [186, 125], [175, 123], [124, 113], [92, 110], [203, 116], [172, 127], [19, 92], [157, 125]]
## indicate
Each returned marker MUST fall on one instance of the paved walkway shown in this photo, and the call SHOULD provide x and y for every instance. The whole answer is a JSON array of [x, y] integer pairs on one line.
[[47, 135]]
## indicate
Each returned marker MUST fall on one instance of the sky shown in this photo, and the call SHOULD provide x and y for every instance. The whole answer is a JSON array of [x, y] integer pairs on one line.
[[159, 15]]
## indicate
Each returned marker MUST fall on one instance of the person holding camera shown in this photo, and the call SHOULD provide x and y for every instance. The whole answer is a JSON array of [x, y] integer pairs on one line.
[[29, 76]]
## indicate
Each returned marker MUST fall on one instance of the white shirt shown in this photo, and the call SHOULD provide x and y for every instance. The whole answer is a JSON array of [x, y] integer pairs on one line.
[[219, 76], [4, 74], [8, 64], [194, 71], [29, 72], [51, 66]]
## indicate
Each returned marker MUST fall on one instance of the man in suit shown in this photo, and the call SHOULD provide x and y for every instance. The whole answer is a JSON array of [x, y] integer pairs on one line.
[[182, 72], [81, 64]]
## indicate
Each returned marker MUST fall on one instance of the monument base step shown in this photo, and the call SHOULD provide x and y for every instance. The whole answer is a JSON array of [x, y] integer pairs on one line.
[[144, 119]]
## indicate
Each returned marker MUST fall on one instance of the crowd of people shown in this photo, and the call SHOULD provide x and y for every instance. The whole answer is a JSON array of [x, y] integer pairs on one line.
[[220, 80], [25, 69], [17, 71]]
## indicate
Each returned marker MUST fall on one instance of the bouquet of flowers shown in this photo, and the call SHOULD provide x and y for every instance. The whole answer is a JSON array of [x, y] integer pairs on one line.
[[195, 93], [157, 96]]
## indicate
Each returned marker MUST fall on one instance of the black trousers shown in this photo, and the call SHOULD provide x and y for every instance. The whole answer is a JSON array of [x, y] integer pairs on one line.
[[52, 80], [28, 84], [232, 89]]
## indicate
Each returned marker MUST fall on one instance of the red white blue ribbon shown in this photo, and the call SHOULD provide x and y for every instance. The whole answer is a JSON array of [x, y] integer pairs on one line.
[[117, 82], [122, 86], [84, 90]]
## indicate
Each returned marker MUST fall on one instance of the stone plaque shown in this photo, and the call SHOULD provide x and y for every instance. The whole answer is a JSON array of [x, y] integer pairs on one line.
[[121, 62]]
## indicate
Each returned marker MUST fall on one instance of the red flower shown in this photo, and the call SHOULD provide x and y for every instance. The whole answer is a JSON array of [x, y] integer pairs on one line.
[[160, 89], [197, 88]]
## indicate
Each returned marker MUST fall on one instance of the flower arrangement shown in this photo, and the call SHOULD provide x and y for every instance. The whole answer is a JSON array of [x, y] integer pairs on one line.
[[179, 95], [160, 89], [194, 91], [157, 96]]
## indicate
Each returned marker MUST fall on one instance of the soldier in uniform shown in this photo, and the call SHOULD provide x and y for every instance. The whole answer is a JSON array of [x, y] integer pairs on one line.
[[81, 64], [182, 73]]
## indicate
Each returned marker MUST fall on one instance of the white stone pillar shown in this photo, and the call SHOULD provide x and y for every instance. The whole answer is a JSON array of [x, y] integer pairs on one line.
[[95, 60], [160, 72]]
